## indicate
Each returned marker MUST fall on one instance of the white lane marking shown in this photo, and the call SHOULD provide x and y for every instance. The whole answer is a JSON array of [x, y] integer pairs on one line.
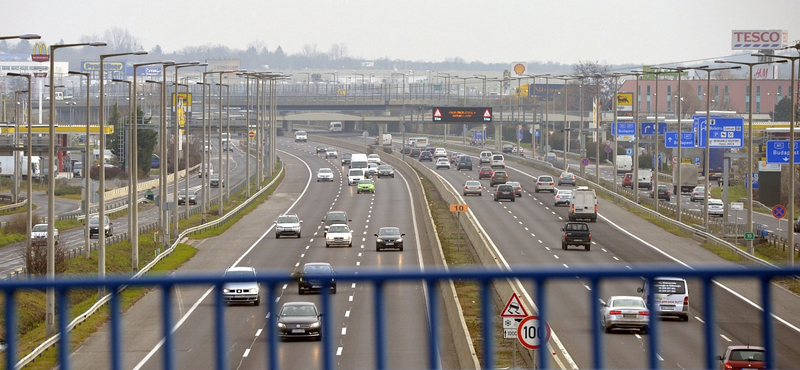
[[302, 255], [353, 286], [297, 264], [350, 298], [258, 332], [540, 241], [659, 357], [615, 257], [726, 338], [358, 263], [359, 253], [587, 287], [344, 331], [699, 319], [203, 297], [556, 256], [311, 241], [547, 248], [246, 352], [285, 286], [339, 351], [565, 265], [347, 313]]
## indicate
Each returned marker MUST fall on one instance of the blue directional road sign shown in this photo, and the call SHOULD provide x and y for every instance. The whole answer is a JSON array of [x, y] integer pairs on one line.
[[778, 151], [724, 132], [625, 128], [696, 160], [536, 133], [628, 151], [649, 128], [521, 132], [747, 180], [671, 140]]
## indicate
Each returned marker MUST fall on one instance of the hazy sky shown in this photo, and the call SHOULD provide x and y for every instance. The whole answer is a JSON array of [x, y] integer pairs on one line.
[[564, 31]]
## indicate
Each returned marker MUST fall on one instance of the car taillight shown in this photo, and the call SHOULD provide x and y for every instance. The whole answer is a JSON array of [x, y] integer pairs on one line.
[[538, 183], [644, 313], [615, 312], [572, 208], [465, 188], [728, 366], [479, 188], [595, 208], [686, 303]]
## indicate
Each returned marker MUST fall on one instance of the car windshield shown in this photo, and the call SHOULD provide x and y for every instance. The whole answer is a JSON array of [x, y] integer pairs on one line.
[[565, 193], [288, 220], [715, 202], [325, 170], [307, 310], [317, 269], [95, 220], [389, 231], [385, 168], [39, 228], [356, 173], [632, 303], [699, 189], [513, 183], [337, 217], [567, 176], [300, 133], [473, 183], [346, 155], [505, 187], [545, 179], [577, 227], [365, 182], [373, 156], [338, 229], [747, 355], [497, 158], [240, 274], [372, 165], [499, 174], [670, 286]]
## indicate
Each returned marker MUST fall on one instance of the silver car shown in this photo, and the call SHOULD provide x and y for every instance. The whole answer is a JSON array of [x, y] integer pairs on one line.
[[625, 312], [562, 197], [243, 291], [324, 174], [288, 224], [544, 183], [473, 187], [716, 207]]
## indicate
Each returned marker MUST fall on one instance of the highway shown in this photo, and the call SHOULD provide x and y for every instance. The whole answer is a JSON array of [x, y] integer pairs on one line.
[[251, 242], [527, 233]]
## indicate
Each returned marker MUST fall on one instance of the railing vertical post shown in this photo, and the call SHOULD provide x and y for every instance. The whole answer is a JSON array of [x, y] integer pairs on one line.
[[597, 344], [766, 325], [166, 316], [708, 328], [540, 297], [272, 332], [433, 319], [63, 339], [11, 327], [380, 331], [327, 329], [652, 343], [219, 326], [116, 338], [487, 308]]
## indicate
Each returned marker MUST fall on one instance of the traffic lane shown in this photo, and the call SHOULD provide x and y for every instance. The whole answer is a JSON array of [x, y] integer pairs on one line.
[[142, 333], [576, 258], [356, 205]]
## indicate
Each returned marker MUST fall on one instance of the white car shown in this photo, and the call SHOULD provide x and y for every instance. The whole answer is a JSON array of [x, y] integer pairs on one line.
[[439, 152], [716, 207], [331, 153], [544, 183], [300, 136], [355, 175], [442, 163], [372, 169], [241, 292], [324, 174], [498, 161], [288, 224], [39, 234], [339, 235], [562, 197], [374, 158], [625, 312]]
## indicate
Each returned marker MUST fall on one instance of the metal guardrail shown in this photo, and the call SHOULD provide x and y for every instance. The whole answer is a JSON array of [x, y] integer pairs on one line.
[[65, 328], [378, 282]]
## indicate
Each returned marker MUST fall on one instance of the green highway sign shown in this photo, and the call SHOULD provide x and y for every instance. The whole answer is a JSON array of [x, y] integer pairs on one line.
[[749, 236]]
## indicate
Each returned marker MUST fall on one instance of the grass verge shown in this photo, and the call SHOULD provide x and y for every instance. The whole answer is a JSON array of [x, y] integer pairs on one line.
[[459, 253]]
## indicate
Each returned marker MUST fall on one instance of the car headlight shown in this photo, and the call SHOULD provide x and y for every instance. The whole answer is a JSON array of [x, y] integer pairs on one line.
[[347, 237], [380, 240], [314, 325], [281, 325], [329, 237], [226, 290], [399, 240]]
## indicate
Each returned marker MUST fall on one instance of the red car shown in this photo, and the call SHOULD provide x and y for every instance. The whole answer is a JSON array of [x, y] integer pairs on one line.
[[485, 172], [627, 181], [742, 357]]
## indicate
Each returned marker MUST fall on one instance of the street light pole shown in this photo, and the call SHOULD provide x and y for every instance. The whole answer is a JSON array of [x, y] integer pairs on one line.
[[177, 134], [51, 186], [87, 204], [131, 193], [750, 147]]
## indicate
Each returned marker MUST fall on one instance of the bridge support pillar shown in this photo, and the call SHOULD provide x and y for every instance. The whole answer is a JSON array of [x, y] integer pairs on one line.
[[381, 131]]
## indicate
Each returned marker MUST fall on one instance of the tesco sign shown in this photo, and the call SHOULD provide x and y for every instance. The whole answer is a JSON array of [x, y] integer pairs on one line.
[[759, 39]]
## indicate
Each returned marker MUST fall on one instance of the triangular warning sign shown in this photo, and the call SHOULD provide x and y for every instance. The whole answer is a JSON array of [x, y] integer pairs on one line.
[[487, 114], [437, 113], [514, 307]]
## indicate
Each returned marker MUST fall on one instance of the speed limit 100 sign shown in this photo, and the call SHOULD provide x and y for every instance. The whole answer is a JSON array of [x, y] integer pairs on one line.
[[529, 333]]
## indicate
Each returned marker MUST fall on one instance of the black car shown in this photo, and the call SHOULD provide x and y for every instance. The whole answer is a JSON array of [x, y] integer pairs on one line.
[[426, 156], [406, 150], [464, 163], [578, 234], [346, 158], [321, 149], [385, 170], [389, 237], [415, 152], [299, 320], [505, 191], [182, 197], [94, 227], [429, 149], [315, 284], [508, 148], [663, 193]]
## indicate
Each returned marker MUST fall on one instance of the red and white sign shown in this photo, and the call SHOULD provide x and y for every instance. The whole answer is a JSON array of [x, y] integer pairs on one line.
[[487, 114], [759, 39], [437, 114], [251, 134], [514, 308], [763, 72], [529, 333]]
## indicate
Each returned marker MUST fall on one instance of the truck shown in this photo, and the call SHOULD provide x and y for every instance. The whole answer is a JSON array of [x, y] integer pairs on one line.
[[624, 164], [335, 127], [577, 234], [7, 166], [688, 178], [386, 140], [716, 163]]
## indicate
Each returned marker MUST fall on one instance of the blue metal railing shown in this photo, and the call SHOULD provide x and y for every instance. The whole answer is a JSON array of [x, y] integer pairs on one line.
[[273, 281]]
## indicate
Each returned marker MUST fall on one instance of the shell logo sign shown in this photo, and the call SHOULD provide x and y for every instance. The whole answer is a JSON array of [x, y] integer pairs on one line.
[[519, 68]]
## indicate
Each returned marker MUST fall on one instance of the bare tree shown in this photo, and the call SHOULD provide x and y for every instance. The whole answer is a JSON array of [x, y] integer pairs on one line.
[[121, 40], [309, 51], [338, 51], [690, 103]]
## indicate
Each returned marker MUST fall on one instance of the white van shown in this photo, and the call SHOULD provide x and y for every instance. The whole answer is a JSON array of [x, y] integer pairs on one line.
[[300, 136], [671, 296], [645, 178], [386, 140], [354, 175], [583, 204], [335, 127], [359, 160], [624, 164], [486, 157], [498, 161]]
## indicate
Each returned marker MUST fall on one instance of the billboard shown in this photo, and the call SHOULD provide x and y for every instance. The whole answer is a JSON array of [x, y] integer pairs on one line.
[[625, 104], [519, 68], [759, 39], [548, 91], [461, 114], [219, 65]]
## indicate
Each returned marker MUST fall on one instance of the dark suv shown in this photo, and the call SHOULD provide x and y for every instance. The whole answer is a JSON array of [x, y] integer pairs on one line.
[[414, 152], [499, 177], [464, 163], [335, 217], [505, 191], [426, 156]]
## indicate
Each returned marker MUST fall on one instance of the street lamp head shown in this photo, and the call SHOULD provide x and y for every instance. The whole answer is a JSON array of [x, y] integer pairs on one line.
[[30, 36], [119, 80], [140, 52], [97, 43]]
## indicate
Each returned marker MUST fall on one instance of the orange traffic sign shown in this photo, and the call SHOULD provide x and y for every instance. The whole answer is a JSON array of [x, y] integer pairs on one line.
[[459, 208]]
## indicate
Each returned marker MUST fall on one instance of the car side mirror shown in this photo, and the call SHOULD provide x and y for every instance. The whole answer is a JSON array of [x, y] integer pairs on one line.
[[275, 222], [402, 234], [296, 275], [349, 220], [321, 314], [639, 290], [562, 229], [603, 303], [719, 358], [376, 234], [301, 221]]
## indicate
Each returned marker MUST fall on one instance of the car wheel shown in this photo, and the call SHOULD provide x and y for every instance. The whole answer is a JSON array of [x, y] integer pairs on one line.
[[258, 301], [298, 235], [513, 199], [401, 248], [645, 330], [465, 194], [318, 338], [327, 246], [480, 194], [588, 247], [350, 245], [317, 180], [495, 199], [277, 236], [606, 328], [564, 246], [392, 176]]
